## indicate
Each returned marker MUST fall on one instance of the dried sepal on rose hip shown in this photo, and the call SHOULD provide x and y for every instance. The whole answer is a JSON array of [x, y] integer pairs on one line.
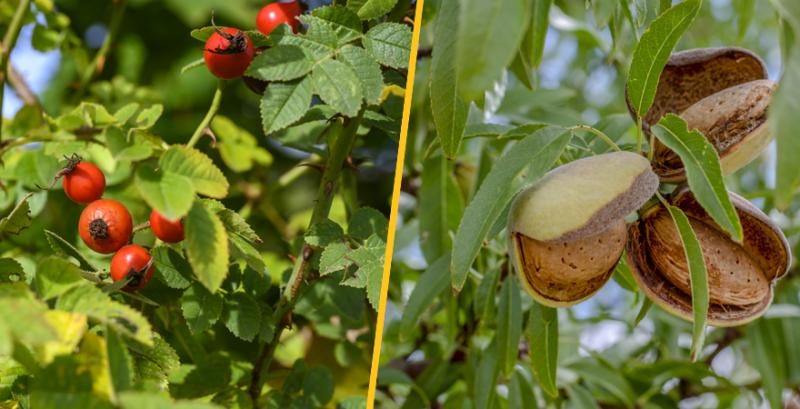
[[228, 52], [722, 92], [567, 232], [83, 182], [740, 275], [105, 226], [168, 231], [132, 262]]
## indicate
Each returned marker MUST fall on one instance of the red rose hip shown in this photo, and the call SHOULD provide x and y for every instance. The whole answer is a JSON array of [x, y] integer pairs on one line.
[[228, 53], [83, 182], [135, 262], [168, 231], [105, 226], [274, 14]]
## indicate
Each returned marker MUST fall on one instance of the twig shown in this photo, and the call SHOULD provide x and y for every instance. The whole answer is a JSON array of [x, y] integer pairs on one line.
[[141, 226], [730, 336], [100, 57], [212, 111], [22, 89], [9, 41], [342, 135]]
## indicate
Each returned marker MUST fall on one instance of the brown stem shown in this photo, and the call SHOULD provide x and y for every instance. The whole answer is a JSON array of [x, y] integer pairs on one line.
[[22, 89]]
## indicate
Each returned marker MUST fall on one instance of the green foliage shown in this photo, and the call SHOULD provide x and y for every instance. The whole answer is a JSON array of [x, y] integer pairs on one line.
[[224, 322], [540, 93]]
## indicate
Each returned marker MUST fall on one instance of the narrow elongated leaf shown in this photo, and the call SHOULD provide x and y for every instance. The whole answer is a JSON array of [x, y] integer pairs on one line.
[[580, 397], [653, 50], [284, 103], [542, 333], [483, 54], [509, 325], [784, 121], [440, 207], [533, 43], [207, 246], [338, 86], [703, 171], [486, 377], [609, 379], [430, 284], [448, 108], [765, 342], [536, 153], [698, 278]]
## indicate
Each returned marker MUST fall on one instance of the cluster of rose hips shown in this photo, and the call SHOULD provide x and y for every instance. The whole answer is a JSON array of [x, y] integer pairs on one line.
[[106, 225], [229, 51]]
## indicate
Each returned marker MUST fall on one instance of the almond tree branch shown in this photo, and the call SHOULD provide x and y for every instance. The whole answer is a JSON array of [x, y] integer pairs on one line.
[[342, 136], [9, 41]]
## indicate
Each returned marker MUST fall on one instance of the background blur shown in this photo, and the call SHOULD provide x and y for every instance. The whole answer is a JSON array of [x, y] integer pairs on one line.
[[581, 80]]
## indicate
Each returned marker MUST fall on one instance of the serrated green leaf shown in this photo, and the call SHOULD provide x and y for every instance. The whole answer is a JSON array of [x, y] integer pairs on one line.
[[201, 309], [155, 363], [338, 86], [206, 178], [64, 248], [19, 219], [149, 116], [371, 9], [283, 104], [235, 223], [89, 300], [206, 245], [703, 171], [367, 221], [171, 267], [242, 316], [168, 193], [238, 148], [698, 278], [389, 44], [653, 50], [120, 361], [54, 276], [536, 153], [367, 70], [281, 63], [344, 22], [88, 384], [542, 333], [334, 258], [149, 400], [241, 249], [324, 233], [448, 108], [11, 271]]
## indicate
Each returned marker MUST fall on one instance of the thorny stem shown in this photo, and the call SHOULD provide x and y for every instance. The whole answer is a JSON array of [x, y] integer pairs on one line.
[[342, 135], [212, 111], [99, 60], [597, 133], [9, 40]]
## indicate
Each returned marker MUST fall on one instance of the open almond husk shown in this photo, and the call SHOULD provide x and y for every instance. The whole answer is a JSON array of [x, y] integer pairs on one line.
[[722, 92], [567, 232], [741, 276]]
